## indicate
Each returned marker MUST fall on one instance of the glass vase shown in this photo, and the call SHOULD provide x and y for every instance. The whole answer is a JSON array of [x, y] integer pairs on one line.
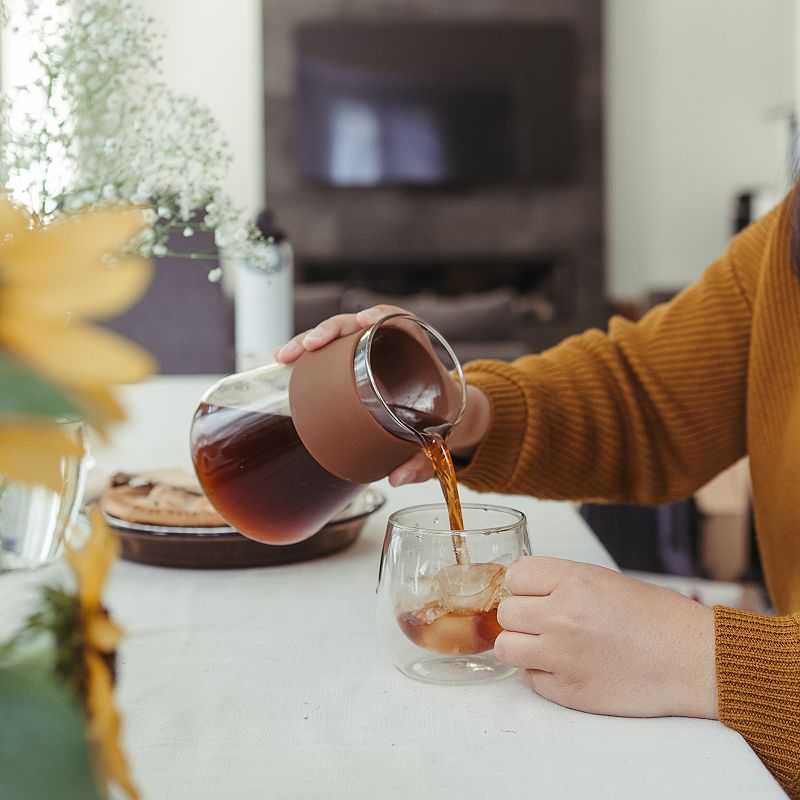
[[35, 519]]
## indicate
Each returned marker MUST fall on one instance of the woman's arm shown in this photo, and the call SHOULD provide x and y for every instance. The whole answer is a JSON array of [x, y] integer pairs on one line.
[[645, 413]]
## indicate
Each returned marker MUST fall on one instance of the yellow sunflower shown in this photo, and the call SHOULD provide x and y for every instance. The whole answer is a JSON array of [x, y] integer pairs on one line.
[[99, 637], [52, 279]]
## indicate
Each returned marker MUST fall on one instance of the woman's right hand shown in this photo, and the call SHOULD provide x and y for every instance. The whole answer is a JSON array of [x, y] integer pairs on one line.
[[464, 438], [333, 328]]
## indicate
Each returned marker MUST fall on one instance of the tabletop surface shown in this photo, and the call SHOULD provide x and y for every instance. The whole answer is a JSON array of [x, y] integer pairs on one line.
[[270, 683]]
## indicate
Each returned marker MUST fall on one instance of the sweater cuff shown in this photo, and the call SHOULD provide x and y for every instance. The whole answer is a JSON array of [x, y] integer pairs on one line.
[[496, 458], [758, 685]]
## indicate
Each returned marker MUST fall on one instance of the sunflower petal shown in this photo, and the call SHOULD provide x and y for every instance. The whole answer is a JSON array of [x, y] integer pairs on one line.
[[32, 453], [101, 633], [105, 726], [99, 694], [99, 291], [14, 222], [70, 245], [75, 354], [99, 406], [92, 562]]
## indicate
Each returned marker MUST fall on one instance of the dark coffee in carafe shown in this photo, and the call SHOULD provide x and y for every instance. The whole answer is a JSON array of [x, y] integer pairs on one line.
[[279, 499]]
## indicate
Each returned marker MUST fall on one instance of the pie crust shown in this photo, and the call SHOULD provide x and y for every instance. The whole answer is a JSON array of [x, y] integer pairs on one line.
[[154, 502]]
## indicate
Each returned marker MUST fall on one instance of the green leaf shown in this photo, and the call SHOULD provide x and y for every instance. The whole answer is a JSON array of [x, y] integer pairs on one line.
[[43, 748], [32, 652], [23, 394]]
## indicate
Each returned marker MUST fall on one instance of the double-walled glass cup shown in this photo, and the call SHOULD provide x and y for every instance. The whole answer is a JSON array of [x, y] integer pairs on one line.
[[437, 620]]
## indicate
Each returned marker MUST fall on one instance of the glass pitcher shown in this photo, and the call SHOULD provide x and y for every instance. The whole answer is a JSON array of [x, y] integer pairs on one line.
[[280, 449]]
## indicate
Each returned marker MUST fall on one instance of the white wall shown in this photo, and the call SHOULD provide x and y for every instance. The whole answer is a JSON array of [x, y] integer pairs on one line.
[[213, 50], [692, 88]]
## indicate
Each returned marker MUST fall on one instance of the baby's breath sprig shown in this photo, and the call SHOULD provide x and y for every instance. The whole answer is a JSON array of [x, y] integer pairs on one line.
[[94, 124]]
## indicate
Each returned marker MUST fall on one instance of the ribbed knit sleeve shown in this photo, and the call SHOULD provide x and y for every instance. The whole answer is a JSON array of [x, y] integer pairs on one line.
[[645, 413], [758, 681]]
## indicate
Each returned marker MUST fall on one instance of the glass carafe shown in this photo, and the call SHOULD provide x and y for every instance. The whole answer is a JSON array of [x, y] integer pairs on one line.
[[280, 449]]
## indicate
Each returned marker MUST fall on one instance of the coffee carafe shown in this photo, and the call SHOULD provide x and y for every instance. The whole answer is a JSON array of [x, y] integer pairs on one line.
[[280, 449]]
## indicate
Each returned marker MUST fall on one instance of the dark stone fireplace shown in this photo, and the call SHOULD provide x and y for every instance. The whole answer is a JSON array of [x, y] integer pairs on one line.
[[528, 223]]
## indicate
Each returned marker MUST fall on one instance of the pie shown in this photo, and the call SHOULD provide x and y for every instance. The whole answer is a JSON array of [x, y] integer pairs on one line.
[[167, 497]]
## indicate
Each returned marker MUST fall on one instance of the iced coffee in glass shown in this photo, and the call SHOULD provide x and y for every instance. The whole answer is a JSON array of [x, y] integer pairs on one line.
[[439, 590]]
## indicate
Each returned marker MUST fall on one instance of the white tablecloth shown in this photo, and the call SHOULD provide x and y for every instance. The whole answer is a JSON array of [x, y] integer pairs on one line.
[[269, 683]]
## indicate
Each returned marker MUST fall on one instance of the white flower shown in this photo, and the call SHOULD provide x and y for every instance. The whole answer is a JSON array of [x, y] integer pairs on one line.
[[111, 129]]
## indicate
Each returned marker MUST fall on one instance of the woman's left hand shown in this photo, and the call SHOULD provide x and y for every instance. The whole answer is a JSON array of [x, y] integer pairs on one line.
[[598, 641]]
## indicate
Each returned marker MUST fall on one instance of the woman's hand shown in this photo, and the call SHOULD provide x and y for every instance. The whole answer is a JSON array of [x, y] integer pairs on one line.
[[598, 641], [333, 328], [464, 438]]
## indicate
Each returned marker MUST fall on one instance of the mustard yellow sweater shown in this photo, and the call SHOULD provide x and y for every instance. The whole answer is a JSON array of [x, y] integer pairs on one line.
[[649, 412]]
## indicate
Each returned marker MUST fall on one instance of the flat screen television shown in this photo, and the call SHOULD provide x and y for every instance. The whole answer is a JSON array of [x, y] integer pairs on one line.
[[435, 103]]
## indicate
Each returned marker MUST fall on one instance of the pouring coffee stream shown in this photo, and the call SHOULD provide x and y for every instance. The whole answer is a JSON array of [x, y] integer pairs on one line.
[[438, 454], [431, 432]]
